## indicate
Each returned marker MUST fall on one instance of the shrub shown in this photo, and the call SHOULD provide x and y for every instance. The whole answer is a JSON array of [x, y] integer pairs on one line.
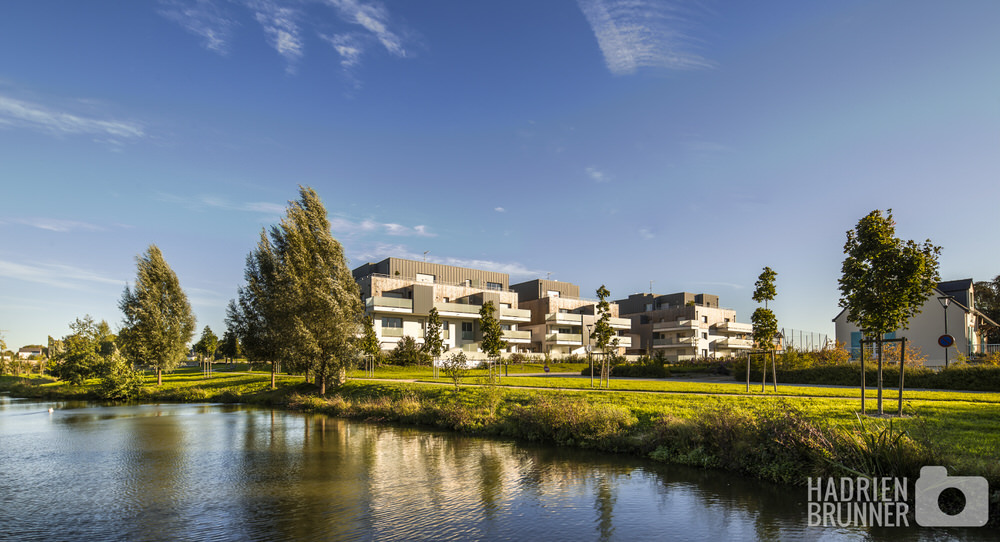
[[570, 421], [407, 352], [119, 380], [456, 367]]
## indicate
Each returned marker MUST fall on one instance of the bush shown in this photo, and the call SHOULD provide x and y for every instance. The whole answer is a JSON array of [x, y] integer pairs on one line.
[[407, 352], [119, 380], [570, 422], [456, 367]]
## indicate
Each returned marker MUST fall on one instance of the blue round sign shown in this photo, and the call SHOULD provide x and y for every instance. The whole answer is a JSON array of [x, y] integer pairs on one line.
[[946, 340]]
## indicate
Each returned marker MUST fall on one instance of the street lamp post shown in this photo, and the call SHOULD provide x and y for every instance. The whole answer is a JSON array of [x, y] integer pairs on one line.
[[945, 301], [589, 353]]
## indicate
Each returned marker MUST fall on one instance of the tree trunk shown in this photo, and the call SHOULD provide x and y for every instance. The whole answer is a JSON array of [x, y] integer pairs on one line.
[[321, 380], [159, 376], [274, 370], [879, 342], [341, 376]]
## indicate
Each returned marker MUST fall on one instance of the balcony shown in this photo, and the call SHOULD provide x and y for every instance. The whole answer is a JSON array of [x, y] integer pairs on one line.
[[514, 315], [458, 310], [620, 323], [389, 304], [731, 343], [734, 327], [564, 318], [624, 342], [392, 332], [679, 325], [684, 342], [565, 338], [517, 336]]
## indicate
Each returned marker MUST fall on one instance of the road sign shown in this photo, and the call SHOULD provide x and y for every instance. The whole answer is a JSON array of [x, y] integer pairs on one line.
[[946, 340]]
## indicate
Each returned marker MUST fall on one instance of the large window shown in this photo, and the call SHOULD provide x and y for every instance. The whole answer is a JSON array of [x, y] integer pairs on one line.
[[494, 286], [392, 322], [467, 334]]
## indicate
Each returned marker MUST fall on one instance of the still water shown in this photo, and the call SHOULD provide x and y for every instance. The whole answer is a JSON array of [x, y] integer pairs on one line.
[[231, 472]]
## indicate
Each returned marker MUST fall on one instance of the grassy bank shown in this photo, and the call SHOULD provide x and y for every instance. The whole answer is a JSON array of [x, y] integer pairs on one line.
[[783, 439]]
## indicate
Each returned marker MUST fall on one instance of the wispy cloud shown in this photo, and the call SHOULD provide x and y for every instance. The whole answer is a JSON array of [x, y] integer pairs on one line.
[[345, 226], [362, 25], [500, 209], [56, 224], [635, 34], [18, 113], [57, 275], [205, 201], [281, 29], [597, 174], [646, 234], [385, 250], [732, 285], [203, 18]]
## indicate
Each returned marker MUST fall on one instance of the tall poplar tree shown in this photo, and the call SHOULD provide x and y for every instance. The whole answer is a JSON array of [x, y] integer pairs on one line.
[[433, 342], [158, 322], [300, 301], [255, 316], [603, 334]]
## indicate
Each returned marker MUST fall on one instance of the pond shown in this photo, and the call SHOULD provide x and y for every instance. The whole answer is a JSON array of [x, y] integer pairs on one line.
[[231, 472]]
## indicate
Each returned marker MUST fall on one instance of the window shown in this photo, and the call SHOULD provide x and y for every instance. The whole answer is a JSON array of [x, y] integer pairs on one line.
[[494, 286], [447, 299], [392, 322], [727, 320], [467, 331], [505, 305], [704, 319], [421, 277], [445, 330], [649, 307], [704, 335], [552, 293], [468, 282], [505, 327]]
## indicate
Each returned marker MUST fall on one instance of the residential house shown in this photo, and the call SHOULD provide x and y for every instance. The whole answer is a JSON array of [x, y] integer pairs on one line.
[[399, 294], [33, 351], [967, 325], [562, 321], [683, 326]]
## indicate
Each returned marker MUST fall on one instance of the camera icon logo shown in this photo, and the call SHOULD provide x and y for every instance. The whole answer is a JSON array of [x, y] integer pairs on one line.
[[933, 481]]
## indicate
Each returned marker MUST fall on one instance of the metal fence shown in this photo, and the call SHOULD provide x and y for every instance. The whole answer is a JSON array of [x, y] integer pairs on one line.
[[804, 341]]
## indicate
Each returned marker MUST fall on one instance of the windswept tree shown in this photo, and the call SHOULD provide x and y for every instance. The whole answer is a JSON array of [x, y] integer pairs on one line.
[[256, 315], [304, 304], [603, 334], [765, 324], [493, 343], [79, 357], [369, 339], [158, 322], [885, 280]]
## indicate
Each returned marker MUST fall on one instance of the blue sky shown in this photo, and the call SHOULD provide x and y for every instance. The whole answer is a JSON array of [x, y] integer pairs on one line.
[[602, 141]]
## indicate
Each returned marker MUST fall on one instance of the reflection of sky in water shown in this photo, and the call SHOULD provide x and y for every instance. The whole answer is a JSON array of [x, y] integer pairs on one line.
[[197, 472]]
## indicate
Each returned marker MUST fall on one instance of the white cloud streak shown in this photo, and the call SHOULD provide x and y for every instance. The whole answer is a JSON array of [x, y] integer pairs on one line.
[[345, 226], [375, 19], [216, 202], [18, 113], [635, 34], [56, 224], [202, 18], [281, 29], [57, 275], [500, 209]]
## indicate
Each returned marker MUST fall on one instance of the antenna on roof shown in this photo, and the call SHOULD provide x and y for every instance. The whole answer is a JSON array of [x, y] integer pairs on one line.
[[548, 276], [651, 287], [425, 255]]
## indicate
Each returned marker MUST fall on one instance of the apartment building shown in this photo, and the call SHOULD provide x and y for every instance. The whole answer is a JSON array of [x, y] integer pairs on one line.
[[684, 326], [561, 322], [399, 294]]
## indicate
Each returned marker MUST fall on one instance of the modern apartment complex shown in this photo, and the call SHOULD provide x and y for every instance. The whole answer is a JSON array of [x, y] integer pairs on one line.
[[399, 294], [561, 322], [684, 325]]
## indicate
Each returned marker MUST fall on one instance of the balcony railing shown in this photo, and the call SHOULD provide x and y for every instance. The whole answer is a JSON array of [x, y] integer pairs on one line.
[[620, 323], [517, 336], [563, 318], [477, 285], [730, 342], [676, 325], [684, 342], [460, 309], [734, 327], [392, 332], [564, 338], [518, 315], [389, 304]]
